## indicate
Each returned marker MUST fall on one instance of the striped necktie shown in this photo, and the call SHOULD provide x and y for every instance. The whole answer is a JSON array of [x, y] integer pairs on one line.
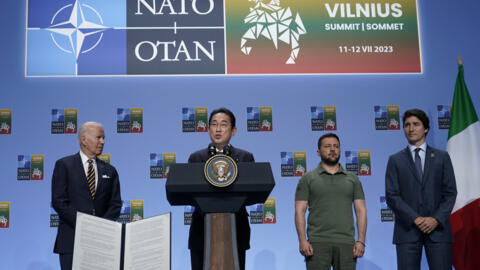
[[91, 177]]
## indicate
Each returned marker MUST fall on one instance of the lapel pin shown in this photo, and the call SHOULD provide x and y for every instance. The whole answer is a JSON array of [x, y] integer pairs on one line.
[[432, 155]]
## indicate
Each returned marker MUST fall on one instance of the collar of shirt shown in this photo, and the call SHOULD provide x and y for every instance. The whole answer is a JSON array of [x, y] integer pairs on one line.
[[85, 160], [421, 153], [218, 151], [423, 147], [322, 170], [85, 166]]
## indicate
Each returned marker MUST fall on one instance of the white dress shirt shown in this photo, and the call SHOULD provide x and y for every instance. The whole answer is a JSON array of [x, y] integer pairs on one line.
[[421, 153]]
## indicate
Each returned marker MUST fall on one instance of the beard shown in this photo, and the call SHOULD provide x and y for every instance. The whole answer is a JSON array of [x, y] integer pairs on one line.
[[330, 161]]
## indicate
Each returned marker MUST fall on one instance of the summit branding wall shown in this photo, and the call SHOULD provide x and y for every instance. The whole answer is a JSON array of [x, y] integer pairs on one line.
[[162, 37]]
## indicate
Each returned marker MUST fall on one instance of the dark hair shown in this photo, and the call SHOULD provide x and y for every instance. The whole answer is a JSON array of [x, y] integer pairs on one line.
[[327, 135], [225, 111], [420, 115]]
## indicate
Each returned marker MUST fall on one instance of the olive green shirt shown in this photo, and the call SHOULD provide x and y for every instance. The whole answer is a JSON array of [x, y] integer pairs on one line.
[[330, 198]]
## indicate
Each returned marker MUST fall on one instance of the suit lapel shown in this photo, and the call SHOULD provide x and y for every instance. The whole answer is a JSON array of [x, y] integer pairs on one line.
[[100, 168], [234, 154], [429, 158], [408, 156], [81, 171]]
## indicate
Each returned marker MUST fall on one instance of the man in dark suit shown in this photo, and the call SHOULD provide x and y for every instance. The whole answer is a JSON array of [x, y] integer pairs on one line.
[[420, 189], [221, 129], [83, 183]]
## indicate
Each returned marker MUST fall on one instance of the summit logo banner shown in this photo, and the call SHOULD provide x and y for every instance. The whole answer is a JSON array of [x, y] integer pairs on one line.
[[30, 167], [129, 120], [358, 162], [6, 121], [64, 121], [259, 119], [194, 119], [444, 116], [218, 37], [124, 37], [293, 163], [387, 117]]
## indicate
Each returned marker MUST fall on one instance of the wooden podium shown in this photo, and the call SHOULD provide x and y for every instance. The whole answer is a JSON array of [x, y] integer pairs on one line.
[[186, 185]]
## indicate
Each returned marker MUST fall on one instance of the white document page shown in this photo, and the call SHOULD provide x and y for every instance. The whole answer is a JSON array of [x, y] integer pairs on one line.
[[97, 243], [147, 244]]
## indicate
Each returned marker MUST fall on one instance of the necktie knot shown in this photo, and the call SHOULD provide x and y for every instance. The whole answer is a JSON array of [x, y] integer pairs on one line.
[[90, 161], [417, 150]]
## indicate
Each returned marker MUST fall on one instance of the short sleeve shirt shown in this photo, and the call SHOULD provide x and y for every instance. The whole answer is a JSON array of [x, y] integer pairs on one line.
[[330, 198]]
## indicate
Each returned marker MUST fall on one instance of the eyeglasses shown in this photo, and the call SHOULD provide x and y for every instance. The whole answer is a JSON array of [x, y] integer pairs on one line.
[[223, 126]]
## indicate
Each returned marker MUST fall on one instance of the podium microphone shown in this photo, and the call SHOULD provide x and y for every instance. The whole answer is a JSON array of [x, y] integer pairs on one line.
[[226, 150], [212, 151]]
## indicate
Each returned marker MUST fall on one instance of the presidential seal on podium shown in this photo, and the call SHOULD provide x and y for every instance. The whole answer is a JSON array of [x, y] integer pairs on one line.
[[221, 170]]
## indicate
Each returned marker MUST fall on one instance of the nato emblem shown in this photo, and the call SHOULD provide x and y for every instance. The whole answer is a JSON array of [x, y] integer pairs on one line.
[[221, 170]]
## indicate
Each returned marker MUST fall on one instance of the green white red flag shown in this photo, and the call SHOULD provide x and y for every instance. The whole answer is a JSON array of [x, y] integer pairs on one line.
[[464, 148]]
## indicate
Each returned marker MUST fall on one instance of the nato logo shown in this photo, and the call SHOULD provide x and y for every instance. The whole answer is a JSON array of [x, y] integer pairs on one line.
[[188, 114], [256, 213], [156, 165], [57, 115], [123, 114], [123, 120], [386, 214], [443, 111], [253, 113], [443, 116], [156, 160], [287, 158], [24, 162], [380, 117], [257, 207], [76, 37], [286, 166], [187, 214], [317, 120]]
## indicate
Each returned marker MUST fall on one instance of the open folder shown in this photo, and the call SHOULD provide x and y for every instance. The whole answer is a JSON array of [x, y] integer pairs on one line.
[[102, 244]]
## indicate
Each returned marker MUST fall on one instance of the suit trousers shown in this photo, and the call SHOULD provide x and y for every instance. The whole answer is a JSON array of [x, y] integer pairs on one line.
[[439, 255], [196, 258], [66, 260]]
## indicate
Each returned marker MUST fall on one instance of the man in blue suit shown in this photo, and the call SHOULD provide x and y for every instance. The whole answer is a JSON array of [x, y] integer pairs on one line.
[[83, 183], [420, 189]]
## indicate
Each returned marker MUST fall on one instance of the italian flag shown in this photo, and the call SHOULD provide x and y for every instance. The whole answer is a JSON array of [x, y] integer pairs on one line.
[[464, 148]]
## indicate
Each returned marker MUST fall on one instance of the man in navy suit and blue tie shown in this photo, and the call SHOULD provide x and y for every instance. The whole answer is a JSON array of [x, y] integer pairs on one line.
[[83, 183], [420, 188]]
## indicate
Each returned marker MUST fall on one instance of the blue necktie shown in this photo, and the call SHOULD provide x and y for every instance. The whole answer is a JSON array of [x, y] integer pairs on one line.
[[418, 163]]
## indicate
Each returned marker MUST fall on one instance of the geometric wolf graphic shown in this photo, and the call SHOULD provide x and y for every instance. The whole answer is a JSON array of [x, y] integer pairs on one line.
[[274, 23]]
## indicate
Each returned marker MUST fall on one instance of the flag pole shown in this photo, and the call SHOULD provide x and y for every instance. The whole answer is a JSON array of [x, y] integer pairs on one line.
[[460, 63]]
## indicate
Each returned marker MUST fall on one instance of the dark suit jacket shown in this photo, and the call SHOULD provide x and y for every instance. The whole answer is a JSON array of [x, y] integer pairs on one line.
[[70, 194], [410, 197], [196, 237]]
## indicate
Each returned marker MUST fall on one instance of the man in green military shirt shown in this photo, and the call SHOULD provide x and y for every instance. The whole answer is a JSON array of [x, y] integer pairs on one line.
[[329, 191]]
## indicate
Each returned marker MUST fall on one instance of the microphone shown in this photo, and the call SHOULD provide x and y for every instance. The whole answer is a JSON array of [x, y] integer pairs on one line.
[[212, 151], [227, 150]]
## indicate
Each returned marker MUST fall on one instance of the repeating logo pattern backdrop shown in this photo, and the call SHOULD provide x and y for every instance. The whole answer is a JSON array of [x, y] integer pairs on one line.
[[174, 108], [145, 181], [160, 37]]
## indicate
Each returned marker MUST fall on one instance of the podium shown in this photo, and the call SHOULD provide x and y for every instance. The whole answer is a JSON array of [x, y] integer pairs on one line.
[[186, 185]]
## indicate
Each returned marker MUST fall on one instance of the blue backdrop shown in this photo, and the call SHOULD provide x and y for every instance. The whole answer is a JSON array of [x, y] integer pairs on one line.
[[447, 29]]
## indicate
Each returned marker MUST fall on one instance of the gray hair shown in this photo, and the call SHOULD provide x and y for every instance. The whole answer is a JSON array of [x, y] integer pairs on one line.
[[85, 128]]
